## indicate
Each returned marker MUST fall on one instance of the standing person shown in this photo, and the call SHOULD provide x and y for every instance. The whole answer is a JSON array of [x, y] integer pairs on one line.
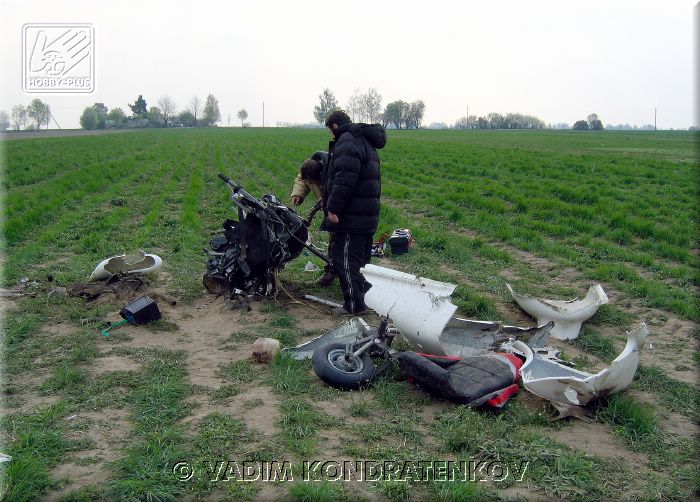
[[352, 191], [309, 180]]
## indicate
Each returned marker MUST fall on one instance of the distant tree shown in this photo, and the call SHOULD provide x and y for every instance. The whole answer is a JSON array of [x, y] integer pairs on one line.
[[395, 113], [38, 111], [580, 125], [4, 120], [354, 106], [139, 108], [155, 117], [186, 118], [414, 114], [242, 115], [89, 118], [167, 110], [195, 108], [462, 123], [211, 111], [115, 118], [327, 104], [371, 106], [438, 125], [594, 122], [19, 116]]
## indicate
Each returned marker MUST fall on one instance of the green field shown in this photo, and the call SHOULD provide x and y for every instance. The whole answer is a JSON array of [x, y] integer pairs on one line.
[[550, 212]]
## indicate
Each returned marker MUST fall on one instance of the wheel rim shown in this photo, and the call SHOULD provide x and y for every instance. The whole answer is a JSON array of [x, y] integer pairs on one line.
[[347, 365]]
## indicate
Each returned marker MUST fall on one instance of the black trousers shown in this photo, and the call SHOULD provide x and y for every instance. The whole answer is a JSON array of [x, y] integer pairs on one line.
[[330, 268], [350, 253]]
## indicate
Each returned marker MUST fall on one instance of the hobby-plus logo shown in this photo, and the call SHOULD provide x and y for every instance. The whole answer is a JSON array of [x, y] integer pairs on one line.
[[58, 58]]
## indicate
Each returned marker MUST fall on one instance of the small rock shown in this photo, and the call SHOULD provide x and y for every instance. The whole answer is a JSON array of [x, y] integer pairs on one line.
[[264, 349]]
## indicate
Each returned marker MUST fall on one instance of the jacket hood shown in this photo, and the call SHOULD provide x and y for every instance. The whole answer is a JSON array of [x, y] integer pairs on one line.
[[373, 133]]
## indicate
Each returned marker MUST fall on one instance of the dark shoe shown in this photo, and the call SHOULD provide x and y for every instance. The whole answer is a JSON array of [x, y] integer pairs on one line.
[[326, 280]]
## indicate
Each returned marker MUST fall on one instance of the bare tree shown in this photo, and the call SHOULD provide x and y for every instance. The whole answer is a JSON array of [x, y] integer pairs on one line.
[[195, 108], [19, 116], [4, 120], [167, 109], [371, 106], [354, 106]]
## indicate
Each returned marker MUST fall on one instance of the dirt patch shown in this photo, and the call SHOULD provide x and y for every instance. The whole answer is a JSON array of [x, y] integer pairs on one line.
[[263, 418], [597, 439], [115, 363], [109, 431]]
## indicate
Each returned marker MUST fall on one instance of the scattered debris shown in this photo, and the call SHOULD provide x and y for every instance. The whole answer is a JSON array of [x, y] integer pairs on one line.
[[139, 263], [311, 267], [568, 389], [4, 458], [567, 315], [489, 379], [116, 286], [422, 311], [72, 417], [265, 349], [322, 301]]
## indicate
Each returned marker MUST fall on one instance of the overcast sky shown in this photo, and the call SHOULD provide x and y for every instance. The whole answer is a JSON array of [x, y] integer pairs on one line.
[[558, 60]]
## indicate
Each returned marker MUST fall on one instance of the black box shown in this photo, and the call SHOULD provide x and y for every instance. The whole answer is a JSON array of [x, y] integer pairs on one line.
[[400, 240], [141, 311]]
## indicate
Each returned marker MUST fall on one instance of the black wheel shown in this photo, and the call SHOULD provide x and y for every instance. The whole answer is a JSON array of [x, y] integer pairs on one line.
[[331, 366]]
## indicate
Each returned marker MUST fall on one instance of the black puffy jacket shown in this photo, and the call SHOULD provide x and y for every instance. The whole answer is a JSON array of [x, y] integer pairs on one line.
[[352, 180]]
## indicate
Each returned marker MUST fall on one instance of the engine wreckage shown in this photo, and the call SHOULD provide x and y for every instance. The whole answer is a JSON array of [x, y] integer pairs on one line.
[[247, 257]]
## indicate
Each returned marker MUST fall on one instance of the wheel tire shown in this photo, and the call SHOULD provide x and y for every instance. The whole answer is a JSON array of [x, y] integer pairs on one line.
[[330, 365]]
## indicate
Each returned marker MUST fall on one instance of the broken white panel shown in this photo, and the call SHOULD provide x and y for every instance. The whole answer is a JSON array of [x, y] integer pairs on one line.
[[567, 387], [567, 315], [139, 263], [420, 308]]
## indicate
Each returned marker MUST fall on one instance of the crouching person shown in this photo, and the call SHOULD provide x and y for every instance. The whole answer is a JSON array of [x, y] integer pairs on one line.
[[307, 181], [352, 189]]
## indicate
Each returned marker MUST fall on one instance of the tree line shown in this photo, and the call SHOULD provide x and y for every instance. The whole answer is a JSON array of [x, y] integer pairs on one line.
[[163, 114], [30, 118], [367, 107]]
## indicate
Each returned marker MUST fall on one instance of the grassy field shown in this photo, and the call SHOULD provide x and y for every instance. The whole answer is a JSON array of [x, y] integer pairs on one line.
[[88, 417]]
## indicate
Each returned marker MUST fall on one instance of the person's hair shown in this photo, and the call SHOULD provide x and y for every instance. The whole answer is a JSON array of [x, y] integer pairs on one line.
[[339, 118], [311, 170]]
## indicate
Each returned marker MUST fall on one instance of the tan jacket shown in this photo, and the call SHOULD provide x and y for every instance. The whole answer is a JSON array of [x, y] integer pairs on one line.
[[303, 187]]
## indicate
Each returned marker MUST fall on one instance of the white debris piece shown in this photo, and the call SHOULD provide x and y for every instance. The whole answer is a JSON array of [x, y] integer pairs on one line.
[[139, 263], [567, 387], [567, 315], [420, 308]]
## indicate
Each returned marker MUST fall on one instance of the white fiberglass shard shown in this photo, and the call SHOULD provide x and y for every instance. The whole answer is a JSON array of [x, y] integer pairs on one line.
[[420, 308], [139, 263], [567, 387], [567, 315]]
